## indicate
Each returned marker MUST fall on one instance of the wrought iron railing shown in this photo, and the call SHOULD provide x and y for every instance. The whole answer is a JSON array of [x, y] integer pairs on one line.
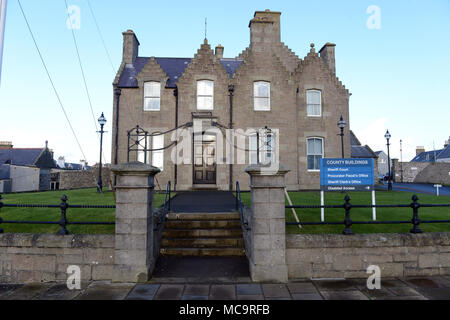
[[165, 207], [63, 222], [347, 206], [240, 206]]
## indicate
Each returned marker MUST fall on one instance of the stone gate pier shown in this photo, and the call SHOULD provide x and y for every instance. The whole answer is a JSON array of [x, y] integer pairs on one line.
[[135, 246]]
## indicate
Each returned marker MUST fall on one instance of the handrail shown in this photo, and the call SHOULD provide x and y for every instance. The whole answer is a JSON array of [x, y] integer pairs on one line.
[[240, 206], [347, 206], [166, 206]]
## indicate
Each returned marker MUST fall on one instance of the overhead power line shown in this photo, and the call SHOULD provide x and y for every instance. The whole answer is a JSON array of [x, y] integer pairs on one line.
[[101, 36], [83, 76], [50, 78]]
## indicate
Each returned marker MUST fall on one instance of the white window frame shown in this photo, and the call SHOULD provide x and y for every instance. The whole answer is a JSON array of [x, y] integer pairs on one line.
[[308, 104], [307, 152], [150, 97], [255, 97], [205, 96], [158, 143]]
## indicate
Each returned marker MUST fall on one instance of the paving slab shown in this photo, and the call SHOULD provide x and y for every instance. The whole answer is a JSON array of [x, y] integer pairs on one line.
[[344, 295], [404, 298], [143, 292], [106, 291], [378, 293], [248, 289], [196, 290], [306, 296], [335, 285], [194, 297], [28, 291], [404, 291], [273, 291], [170, 292], [222, 292], [428, 282], [6, 289], [301, 288], [250, 297], [435, 293], [61, 292], [203, 201]]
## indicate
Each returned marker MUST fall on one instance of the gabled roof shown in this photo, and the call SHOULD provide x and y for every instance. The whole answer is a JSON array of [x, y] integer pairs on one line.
[[433, 155], [362, 152], [445, 154], [354, 140], [173, 67], [427, 156], [20, 157]]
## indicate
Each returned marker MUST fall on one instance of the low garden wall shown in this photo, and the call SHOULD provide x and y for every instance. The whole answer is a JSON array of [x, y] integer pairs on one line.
[[339, 256], [28, 258]]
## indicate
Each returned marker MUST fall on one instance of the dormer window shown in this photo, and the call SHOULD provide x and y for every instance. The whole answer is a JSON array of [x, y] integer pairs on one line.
[[205, 95], [152, 96], [261, 96], [314, 103]]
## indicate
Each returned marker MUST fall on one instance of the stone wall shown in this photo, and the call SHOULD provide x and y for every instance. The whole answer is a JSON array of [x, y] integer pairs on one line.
[[422, 172], [77, 179], [339, 256], [28, 258]]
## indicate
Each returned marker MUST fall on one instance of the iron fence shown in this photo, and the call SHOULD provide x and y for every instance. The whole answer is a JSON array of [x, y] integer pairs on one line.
[[63, 222], [347, 206]]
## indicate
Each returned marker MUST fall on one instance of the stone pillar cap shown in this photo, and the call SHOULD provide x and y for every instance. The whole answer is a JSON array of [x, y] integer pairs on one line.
[[134, 167], [266, 170]]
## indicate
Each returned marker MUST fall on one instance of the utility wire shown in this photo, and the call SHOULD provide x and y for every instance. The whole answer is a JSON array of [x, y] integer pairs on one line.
[[101, 36], [50, 78], [84, 77]]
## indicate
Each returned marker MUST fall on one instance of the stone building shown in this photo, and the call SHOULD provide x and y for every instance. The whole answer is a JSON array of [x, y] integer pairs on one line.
[[267, 85]]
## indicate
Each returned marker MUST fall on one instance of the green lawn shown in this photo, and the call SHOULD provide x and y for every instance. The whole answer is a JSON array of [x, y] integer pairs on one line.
[[83, 196], [365, 214]]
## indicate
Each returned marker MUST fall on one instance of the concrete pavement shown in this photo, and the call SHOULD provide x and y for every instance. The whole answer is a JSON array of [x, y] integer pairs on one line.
[[418, 288]]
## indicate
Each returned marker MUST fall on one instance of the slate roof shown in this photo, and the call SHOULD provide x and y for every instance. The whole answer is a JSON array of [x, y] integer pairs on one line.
[[20, 157], [359, 151], [231, 65], [354, 140], [362, 152], [445, 154], [429, 156], [173, 67]]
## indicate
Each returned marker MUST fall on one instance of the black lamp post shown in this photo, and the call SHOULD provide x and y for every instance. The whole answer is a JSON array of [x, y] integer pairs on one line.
[[388, 136], [102, 122], [342, 124]]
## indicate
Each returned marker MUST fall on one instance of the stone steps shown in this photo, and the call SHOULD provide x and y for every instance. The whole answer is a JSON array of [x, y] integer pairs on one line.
[[202, 234], [202, 242], [203, 252]]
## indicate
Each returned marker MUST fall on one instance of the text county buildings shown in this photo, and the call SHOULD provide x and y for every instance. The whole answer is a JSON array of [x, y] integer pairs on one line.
[[266, 85]]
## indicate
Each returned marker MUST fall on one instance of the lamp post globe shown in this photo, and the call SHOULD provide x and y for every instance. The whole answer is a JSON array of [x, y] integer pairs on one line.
[[388, 137], [341, 125], [102, 122]]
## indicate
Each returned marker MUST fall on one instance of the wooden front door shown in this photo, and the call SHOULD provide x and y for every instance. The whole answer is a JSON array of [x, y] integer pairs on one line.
[[205, 161]]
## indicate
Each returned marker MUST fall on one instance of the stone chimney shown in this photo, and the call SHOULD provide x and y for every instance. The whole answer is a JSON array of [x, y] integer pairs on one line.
[[130, 47], [419, 150], [219, 52], [327, 55], [265, 28]]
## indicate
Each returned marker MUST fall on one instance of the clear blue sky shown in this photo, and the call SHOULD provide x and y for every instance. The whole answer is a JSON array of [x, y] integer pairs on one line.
[[399, 75]]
